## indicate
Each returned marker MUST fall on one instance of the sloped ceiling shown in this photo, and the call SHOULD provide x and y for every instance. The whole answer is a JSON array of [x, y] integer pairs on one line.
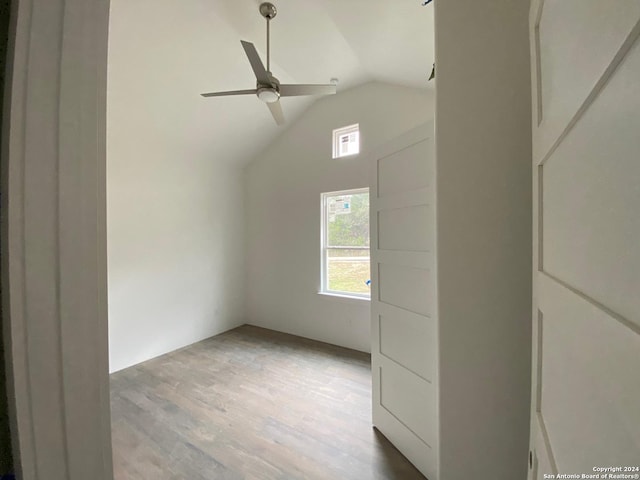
[[164, 53]]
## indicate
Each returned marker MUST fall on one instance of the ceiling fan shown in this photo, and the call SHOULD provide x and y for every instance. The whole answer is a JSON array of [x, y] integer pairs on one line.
[[268, 88]]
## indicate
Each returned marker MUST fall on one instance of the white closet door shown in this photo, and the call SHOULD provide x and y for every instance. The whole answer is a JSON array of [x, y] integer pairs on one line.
[[586, 154], [403, 297]]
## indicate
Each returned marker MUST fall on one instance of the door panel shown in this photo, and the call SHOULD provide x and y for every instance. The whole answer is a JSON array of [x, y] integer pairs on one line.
[[405, 287], [590, 384], [590, 238], [402, 171], [404, 349], [408, 340], [542, 461], [405, 228], [577, 41], [586, 66], [404, 398]]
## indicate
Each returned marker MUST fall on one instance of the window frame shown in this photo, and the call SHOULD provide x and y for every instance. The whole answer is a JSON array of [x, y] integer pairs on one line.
[[339, 132], [324, 248]]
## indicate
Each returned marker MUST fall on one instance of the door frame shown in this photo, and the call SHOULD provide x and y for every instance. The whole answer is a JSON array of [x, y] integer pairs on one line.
[[54, 269]]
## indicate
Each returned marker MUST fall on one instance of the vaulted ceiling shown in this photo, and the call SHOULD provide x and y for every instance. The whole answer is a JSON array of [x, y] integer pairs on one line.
[[164, 53]]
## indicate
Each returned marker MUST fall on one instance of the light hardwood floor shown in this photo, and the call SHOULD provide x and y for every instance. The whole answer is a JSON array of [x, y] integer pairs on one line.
[[251, 404]]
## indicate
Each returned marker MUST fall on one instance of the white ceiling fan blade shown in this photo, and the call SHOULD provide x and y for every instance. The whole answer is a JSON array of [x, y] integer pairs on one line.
[[232, 92], [276, 110], [296, 90], [256, 64]]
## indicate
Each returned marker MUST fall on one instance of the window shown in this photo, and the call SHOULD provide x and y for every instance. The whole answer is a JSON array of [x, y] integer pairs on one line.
[[345, 243], [346, 141]]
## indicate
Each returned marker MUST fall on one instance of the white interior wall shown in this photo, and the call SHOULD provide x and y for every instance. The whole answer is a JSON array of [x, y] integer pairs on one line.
[[175, 249], [483, 162], [175, 216], [282, 205]]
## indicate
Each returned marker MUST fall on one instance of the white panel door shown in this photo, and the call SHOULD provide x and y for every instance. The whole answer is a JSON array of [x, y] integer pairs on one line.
[[586, 161], [404, 348]]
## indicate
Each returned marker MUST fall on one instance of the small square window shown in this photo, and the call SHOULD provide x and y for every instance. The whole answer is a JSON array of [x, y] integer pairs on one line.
[[346, 141]]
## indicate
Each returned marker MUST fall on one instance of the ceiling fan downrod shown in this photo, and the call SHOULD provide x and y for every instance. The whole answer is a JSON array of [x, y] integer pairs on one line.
[[269, 12]]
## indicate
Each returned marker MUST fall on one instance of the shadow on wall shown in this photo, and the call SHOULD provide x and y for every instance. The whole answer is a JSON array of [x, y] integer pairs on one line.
[[6, 460]]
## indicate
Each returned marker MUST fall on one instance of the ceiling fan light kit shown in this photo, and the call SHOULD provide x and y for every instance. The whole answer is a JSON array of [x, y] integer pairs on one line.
[[268, 95], [268, 88]]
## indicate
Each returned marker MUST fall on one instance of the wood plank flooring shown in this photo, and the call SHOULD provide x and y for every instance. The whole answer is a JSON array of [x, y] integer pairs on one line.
[[251, 404]]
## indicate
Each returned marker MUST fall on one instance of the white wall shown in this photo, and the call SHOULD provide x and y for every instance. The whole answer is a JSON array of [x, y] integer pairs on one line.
[[483, 162], [175, 254], [282, 201], [175, 212]]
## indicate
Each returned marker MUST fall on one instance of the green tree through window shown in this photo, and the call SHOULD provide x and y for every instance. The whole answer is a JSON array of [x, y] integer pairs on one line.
[[346, 265], [351, 229]]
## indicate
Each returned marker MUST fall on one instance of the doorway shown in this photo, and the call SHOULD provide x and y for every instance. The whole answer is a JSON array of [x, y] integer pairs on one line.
[[63, 356]]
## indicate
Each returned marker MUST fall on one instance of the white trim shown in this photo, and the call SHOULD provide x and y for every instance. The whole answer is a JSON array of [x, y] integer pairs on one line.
[[342, 297], [338, 293], [54, 231]]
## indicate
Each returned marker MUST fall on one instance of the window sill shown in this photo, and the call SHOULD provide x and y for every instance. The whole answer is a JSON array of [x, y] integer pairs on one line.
[[346, 155], [344, 297]]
